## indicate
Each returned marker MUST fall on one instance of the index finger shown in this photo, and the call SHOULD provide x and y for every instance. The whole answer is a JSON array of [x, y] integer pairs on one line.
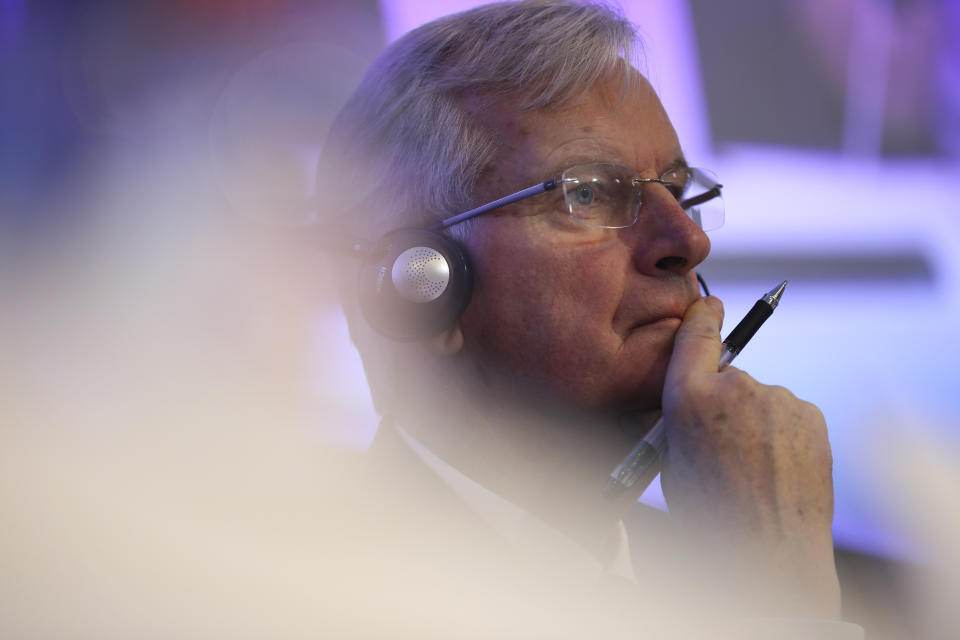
[[696, 346]]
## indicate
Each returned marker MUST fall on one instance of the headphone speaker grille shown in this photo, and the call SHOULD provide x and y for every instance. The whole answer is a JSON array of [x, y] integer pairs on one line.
[[420, 274]]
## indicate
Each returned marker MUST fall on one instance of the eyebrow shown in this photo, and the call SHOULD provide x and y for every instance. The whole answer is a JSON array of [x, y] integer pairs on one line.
[[679, 162], [581, 158]]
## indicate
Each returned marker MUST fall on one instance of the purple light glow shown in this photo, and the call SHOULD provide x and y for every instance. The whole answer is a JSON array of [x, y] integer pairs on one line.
[[13, 19], [400, 16]]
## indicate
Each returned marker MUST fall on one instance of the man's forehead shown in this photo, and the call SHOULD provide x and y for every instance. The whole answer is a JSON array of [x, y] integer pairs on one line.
[[608, 123]]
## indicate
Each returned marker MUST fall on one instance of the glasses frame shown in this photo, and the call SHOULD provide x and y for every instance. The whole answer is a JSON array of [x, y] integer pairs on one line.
[[553, 183]]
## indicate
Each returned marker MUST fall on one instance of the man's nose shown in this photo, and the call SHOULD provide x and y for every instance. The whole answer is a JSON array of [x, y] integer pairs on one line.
[[664, 239]]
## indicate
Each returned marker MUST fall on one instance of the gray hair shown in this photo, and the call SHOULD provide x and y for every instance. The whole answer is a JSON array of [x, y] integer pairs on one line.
[[405, 151]]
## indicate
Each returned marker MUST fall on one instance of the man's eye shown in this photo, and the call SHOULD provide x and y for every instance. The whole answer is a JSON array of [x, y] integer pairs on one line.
[[676, 181], [676, 190], [584, 195]]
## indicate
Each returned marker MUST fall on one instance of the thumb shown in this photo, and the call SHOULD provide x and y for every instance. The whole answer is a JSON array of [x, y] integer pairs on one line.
[[696, 346]]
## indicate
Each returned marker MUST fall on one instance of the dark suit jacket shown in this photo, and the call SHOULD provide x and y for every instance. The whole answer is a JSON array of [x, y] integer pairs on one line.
[[430, 566], [415, 562]]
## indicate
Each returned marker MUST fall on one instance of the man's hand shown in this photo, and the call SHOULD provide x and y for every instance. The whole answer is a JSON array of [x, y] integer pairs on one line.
[[748, 479]]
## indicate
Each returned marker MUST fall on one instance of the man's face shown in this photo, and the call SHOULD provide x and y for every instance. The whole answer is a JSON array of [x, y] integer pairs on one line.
[[587, 314]]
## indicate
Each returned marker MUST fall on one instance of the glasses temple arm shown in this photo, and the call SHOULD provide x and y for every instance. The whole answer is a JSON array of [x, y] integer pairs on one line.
[[706, 196], [496, 204]]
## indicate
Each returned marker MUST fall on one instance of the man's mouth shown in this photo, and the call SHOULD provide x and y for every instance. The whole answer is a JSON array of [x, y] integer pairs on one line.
[[663, 321]]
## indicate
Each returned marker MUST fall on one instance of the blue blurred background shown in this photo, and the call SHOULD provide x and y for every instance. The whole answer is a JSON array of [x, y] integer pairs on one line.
[[833, 124]]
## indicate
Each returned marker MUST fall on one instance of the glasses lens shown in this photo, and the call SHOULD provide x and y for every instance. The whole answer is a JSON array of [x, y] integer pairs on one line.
[[606, 195], [702, 199], [601, 195]]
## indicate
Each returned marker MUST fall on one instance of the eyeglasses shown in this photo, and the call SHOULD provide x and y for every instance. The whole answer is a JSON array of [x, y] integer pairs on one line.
[[609, 196]]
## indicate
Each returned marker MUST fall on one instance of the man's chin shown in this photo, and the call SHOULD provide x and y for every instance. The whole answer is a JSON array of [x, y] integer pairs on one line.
[[638, 401], [639, 385], [633, 396]]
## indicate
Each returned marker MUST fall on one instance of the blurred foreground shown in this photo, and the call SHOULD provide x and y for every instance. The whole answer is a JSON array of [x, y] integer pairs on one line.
[[168, 465]]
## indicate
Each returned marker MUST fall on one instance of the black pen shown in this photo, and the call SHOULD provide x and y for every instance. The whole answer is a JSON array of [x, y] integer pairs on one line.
[[649, 450]]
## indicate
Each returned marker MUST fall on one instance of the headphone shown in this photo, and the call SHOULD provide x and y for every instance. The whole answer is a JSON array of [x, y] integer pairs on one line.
[[414, 284]]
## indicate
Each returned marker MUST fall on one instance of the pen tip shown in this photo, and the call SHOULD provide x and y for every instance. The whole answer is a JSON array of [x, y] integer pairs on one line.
[[773, 296]]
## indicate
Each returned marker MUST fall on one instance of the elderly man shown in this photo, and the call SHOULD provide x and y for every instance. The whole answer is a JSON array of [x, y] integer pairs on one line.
[[562, 322]]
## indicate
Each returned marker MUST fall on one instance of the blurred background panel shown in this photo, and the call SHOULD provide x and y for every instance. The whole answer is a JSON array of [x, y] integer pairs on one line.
[[84, 80]]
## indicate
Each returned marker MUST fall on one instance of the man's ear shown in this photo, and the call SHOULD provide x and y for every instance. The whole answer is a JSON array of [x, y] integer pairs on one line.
[[447, 343]]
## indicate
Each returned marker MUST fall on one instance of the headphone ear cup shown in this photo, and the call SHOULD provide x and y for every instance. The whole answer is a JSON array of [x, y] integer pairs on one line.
[[416, 285]]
